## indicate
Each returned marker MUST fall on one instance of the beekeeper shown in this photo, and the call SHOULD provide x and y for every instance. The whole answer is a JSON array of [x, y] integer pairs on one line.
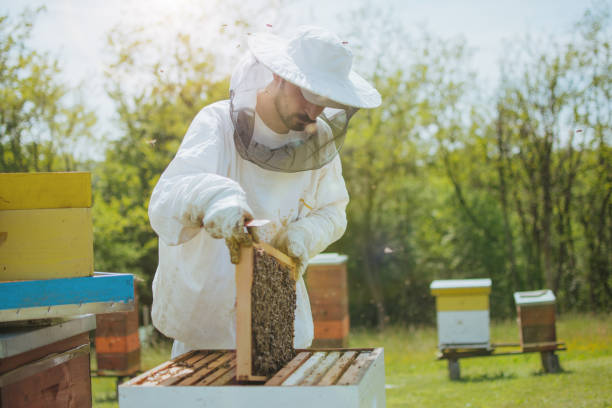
[[269, 152]]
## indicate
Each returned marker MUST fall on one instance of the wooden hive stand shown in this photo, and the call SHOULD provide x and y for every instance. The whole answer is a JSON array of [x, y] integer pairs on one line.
[[244, 282]]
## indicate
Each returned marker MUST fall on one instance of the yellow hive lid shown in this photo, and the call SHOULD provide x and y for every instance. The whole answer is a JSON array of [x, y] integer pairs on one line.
[[460, 287], [28, 191]]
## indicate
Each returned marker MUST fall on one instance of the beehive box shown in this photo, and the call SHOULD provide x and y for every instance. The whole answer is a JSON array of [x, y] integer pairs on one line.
[[462, 307], [117, 342], [265, 310], [45, 226], [46, 365], [314, 378], [536, 319], [326, 280]]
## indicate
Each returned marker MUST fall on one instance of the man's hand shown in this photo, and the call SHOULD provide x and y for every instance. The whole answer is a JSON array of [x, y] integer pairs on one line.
[[292, 242], [228, 223]]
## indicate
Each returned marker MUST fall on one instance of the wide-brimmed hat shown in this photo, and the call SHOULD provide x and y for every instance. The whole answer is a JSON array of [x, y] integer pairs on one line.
[[317, 61]]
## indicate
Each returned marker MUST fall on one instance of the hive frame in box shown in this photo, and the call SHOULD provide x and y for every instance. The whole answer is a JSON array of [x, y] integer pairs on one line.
[[314, 378], [244, 281]]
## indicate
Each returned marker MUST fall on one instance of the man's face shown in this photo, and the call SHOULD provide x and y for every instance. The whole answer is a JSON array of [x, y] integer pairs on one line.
[[295, 111]]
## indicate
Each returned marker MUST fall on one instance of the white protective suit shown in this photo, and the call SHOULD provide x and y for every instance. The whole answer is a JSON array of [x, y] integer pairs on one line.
[[194, 290]]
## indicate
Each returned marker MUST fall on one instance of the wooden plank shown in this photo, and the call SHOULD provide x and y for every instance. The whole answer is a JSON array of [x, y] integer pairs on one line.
[[43, 364], [322, 368], [207, 369], [220, 372], [339, 367], [244, 281], [226, 378], [64, 385], [17, 338], [329, 311], [117, 324], [10, 363], [538, 334], [190, 366], [21, 191], [286, 371], [144, 376], [47, 243], [327, 277], [537, 315], [358, 368], [331, 329], [306, 368], [118, 344], [113, 364]]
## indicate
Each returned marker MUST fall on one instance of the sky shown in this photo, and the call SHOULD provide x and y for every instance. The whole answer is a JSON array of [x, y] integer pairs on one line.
[[74, 31]]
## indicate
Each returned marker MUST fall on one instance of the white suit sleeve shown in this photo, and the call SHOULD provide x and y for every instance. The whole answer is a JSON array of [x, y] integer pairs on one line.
[[327, 222], [191, 188]]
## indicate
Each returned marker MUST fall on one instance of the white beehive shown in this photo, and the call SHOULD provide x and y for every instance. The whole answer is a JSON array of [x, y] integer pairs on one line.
[[462, 307], [314, 378]]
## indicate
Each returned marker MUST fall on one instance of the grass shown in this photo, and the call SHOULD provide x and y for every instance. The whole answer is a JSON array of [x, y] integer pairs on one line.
[[415, 379]]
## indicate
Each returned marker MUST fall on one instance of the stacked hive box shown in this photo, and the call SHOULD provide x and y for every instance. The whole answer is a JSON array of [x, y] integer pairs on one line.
[[536, 319], [45, 233], [45, 226], [117, 342], [327, 288], [46, 365], [462, 312]]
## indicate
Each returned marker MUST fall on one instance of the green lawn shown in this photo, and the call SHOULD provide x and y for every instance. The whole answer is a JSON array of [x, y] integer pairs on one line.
[[415, 379]]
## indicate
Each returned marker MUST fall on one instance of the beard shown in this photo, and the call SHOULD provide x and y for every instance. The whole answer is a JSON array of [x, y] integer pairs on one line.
[[294, 121]]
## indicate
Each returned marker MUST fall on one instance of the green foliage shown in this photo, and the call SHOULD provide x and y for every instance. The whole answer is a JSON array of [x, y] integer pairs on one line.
[[40, 129], [153, 119], [446, 181]]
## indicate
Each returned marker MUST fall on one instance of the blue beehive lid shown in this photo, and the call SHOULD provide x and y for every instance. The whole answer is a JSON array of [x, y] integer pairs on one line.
[[52, 298]]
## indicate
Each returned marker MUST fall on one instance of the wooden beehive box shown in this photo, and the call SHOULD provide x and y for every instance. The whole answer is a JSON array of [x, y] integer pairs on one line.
[[246, 342], [536, 319], [47, 364], [314, 378], [326, 279], [45, 226], [117, 342]]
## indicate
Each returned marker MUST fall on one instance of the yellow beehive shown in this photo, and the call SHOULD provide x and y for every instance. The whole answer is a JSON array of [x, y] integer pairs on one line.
[[462, 307], [45, 226]]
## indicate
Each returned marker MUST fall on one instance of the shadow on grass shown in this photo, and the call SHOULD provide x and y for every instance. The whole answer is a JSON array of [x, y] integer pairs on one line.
[[542, 373], [486, 377]]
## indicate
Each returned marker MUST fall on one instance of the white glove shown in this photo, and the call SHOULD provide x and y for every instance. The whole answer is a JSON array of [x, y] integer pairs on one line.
[[292, 241], [226, 219]]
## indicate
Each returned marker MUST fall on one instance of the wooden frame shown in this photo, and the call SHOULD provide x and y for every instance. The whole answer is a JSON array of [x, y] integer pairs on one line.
[[244, 282]]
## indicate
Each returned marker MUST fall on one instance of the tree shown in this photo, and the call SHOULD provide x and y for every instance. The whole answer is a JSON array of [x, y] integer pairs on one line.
[[40, 129]]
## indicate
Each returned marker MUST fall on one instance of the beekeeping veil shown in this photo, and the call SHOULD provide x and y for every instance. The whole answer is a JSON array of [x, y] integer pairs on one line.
[[319, 63]]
